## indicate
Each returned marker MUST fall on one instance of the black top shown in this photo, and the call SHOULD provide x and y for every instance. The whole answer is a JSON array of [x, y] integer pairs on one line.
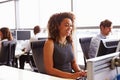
[[63, 56]]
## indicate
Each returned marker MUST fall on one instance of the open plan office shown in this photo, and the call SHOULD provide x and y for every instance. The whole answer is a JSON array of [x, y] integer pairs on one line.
[[21, 16]]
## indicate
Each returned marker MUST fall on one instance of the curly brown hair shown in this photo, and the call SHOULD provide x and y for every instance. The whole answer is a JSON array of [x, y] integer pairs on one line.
[[55, 21]]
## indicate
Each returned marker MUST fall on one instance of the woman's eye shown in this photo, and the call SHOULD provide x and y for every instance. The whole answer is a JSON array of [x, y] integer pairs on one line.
[[67, 25]]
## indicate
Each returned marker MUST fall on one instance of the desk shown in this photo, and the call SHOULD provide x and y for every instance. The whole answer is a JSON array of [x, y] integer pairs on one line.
[[10, 73]]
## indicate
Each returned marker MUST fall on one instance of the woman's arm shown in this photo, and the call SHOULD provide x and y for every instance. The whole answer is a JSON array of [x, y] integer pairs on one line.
[[75, 66]]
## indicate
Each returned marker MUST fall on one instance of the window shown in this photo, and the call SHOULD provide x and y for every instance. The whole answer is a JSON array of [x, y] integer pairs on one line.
[[37, 12], [92, 12], [7, 15]]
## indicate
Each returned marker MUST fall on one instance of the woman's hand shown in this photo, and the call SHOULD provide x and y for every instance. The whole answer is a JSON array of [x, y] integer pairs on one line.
[[79, 74], [83, 73]]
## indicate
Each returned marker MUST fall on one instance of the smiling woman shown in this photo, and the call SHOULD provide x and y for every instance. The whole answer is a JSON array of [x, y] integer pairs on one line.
[[59, 56]]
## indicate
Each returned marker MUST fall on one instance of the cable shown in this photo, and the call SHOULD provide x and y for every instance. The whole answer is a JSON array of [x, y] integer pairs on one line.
[[117, 74], [116, 70]]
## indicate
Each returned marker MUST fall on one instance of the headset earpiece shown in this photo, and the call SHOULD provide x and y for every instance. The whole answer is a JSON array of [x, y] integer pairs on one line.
[[115, 62]]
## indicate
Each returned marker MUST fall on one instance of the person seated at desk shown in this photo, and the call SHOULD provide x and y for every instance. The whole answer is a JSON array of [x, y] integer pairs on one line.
[[59, 57], [25, 57], [105, 29], [5, 35]]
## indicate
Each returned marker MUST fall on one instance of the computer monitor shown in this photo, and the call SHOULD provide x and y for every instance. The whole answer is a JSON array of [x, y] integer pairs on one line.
[[107, 47], [99, 68], [118, 47], [23, 34]]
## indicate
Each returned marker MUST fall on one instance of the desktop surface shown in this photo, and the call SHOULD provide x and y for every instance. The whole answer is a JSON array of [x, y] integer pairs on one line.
[[10, 73]]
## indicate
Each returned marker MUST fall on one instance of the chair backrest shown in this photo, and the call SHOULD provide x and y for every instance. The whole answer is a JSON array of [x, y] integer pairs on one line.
[[7, 53], [31, 62], [85, 43], [12, 52], [4, 54], [37, 50]]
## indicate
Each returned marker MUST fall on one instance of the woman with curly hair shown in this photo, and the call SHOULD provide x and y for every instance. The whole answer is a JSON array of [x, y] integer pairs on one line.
[[59, 57]]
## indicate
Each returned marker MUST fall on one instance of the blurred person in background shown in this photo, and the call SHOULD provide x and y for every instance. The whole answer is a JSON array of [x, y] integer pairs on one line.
[[5, 35], [25, 58], [105, 29]]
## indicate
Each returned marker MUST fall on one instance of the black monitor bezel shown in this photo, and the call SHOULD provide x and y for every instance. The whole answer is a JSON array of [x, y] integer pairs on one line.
[[23, 34], [107, 47]]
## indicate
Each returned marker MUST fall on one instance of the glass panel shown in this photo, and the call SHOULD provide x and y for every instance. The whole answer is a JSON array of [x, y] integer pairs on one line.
[[29, 13], [37, 12], [49, 7], [7, 15], [92, 12]]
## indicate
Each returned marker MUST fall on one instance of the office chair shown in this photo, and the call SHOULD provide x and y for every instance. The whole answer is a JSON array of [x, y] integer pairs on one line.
[[12, 45], [4, 54], [30, 58], [31, 62], [37, 50], [7, 54], [85, 43]]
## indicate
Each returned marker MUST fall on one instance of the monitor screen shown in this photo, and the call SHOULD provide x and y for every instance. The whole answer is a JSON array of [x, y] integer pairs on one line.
[[23, 34], [107, 47], [99, 68]]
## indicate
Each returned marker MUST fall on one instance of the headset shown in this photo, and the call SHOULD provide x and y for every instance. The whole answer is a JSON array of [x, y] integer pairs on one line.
[[115, 62]]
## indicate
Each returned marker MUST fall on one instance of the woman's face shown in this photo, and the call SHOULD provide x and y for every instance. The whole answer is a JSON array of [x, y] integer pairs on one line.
[[65, 27]]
